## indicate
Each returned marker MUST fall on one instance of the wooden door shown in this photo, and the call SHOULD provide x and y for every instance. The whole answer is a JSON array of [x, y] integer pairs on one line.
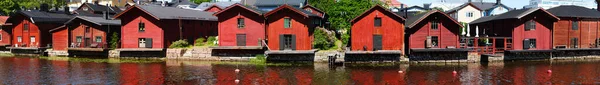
[[377, 42], [241, 39]]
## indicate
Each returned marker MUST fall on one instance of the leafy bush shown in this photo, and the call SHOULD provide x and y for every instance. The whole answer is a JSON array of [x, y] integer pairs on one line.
[[200, 42], [345, 39], [259, 59], [211, 40], [114, 42], [180, 44], [322, 40]]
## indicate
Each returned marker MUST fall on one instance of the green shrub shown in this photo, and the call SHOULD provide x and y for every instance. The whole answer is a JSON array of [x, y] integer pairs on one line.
[[211, 41], [322, 40], [345, 39], [200, 42], [180, 44], [259, 59], [114, 42]]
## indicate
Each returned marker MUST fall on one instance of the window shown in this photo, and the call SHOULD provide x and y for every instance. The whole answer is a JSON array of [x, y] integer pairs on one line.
[[19, 39], [84, 8], [434, 25], [530, 25], [287, 23], [317, 22], [469, 14], [574, 43], [0, 36], [79, 39], [241, 23], [309, 10], [575, 25], [288, 42], [87, 29], [142, 42], [529, 43], [98, 39], [434, 41], [32, 38], [26, 27], [377, 22], [142, 27]]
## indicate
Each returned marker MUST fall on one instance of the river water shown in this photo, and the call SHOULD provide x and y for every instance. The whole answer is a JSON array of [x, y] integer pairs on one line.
[[28, 71]]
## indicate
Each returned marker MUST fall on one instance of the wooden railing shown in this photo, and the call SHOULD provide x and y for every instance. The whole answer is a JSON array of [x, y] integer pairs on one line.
[[487, 45]]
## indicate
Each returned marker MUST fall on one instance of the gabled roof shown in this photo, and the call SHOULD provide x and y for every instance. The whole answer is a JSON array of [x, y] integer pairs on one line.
[[295, 9], [312, 7], [212, 7], [252, 9], [100, 8], [412, 7], [96, 20], [463, 6], [514, 14], [3, 20], [415, 19], [259, 3], [374, 8], [160, 12], [43, 17], [574, 11]]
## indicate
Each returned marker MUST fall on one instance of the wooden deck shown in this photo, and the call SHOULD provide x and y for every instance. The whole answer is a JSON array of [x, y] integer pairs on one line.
[[87, 49], [28, 51], [142, 52], [237, 51]]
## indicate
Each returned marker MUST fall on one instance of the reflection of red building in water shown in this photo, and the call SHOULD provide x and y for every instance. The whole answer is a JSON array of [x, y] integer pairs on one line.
[[134, 74]]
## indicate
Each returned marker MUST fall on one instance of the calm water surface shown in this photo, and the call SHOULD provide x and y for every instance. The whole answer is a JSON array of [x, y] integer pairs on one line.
[[23, 70]]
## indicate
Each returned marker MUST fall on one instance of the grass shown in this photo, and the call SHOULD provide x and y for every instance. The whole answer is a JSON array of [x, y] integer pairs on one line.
[[259, 59]]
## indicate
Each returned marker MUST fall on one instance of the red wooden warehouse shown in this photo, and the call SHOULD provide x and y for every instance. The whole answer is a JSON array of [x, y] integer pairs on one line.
[[577, 27], [157, 27], [4, 32], [530, 28], [290, 28], [432, 29], [377, 29], [241, 25], [214, 8], [31, 28], [85, 32]]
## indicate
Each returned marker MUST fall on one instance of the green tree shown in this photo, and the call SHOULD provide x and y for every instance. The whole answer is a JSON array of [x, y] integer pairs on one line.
[[322, 41], [10, 6], [114, 41], [200, 1], [341, 12], [6, 6]]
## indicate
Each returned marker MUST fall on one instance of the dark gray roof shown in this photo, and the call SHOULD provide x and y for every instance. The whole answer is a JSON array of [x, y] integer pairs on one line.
[[254, 9], [96, 20], [46, 17], [514, 14], [276, 2], [413, 20], [302, 11], [574, 11], [222, 5], [306, 12], [412, 7], [100, 8], [177, 13]]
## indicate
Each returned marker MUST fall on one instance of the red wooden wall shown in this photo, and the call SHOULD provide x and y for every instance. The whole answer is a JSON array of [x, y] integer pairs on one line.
[[6, 36], [541, 33], [301, 27], [391, 30], [38, 30], [254, 27], [163, 32], [60, 41], [586, 34], [447, 32], [213, 9], [95, 30]]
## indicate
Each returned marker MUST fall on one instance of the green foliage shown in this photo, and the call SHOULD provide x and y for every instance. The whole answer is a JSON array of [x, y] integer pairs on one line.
[[211, 41], [200, 42], [9, 6], [322, 40], [180, 44], [259, 59], [437, 8], [114, 41], [200, 1], [340, 13]]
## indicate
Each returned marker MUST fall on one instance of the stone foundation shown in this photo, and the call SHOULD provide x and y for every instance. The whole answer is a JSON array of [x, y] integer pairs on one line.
[[53, 53], [200, 54]]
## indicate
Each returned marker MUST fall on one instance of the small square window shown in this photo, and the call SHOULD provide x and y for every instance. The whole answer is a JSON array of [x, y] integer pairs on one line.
[[98, 39], [241, 23], [434, 41], [377, 22], [79, 39], [469, 14], [575, 25], [26, 27], [141, 27], [287, 22], [434, 25], [19, 39], [530, 25], [32, 38]]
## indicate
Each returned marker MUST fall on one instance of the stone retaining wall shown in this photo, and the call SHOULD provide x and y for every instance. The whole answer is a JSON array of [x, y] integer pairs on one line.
[[53, 53], [200, 54]]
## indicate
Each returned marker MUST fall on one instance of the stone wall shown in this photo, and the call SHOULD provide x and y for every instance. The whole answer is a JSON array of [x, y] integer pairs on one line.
[[321, 56], [53, 53], [199, 54]]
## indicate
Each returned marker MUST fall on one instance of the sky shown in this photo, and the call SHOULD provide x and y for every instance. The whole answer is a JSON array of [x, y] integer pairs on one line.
[[509, 3]]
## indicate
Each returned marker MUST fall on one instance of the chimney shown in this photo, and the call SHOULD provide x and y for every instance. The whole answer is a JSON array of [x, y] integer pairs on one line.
[[44, 7], [67, 11], [105, 15], [426, 6]]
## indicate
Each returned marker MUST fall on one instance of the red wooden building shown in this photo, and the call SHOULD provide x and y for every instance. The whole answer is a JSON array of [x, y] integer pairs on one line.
[[432, 29], [4, 31], [377, 29], [85, 32], [290, 28], [577, 27], [241, 25], [157, 27], [530, 28], [31, 28]]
